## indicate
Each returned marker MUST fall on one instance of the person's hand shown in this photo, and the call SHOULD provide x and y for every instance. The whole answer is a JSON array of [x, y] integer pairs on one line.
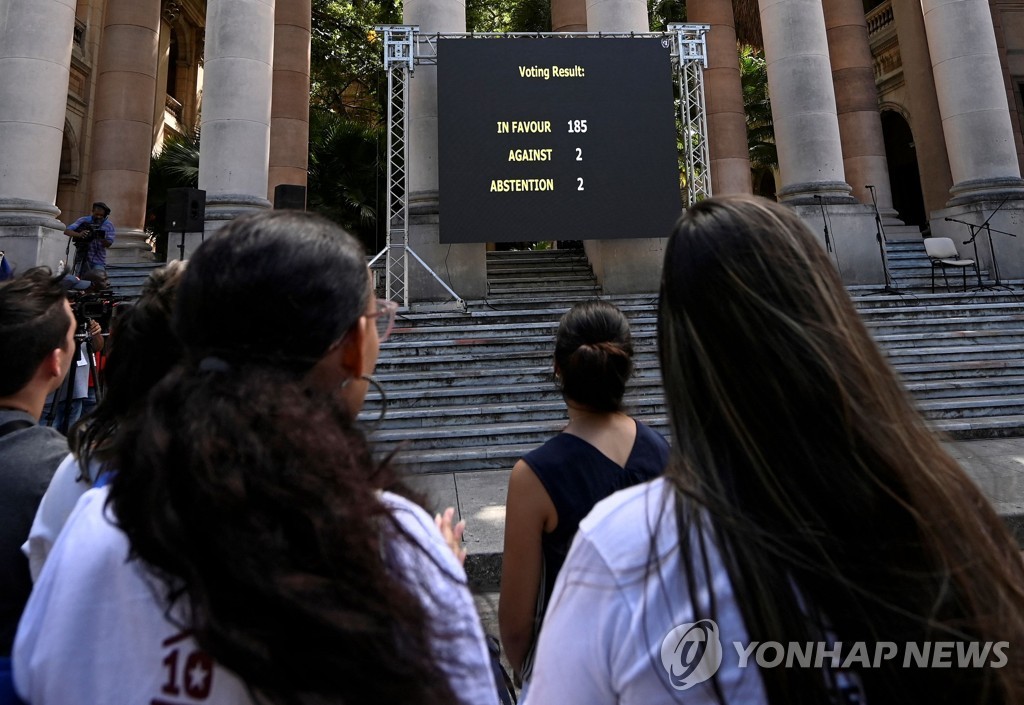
[[94, 329], [452, 532]]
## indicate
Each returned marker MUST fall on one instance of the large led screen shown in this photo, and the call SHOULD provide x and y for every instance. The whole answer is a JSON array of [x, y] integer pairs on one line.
[[555, 139]]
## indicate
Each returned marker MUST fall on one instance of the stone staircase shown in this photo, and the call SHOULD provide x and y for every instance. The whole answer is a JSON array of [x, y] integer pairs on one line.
[[910, 268], [127, 279], [472, 390]]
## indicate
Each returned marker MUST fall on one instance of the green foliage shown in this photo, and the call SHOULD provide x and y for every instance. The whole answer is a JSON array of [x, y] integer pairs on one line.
[[758, 107], [347, 70], [347, 163], [664, 12], [508, 16], [176, 166]]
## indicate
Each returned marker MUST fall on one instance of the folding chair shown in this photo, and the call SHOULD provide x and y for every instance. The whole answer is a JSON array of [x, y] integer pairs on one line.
[[942, 252]]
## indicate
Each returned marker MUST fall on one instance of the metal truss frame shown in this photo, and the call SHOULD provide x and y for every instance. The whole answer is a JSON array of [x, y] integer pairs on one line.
[[405, 48]]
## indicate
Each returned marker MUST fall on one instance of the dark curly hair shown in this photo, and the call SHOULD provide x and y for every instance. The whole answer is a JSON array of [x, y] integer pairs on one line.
[[251, 495]]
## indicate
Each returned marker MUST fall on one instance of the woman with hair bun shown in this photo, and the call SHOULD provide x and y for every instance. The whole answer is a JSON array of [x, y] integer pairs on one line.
[[552, 488], [248, 549], [807, 511]]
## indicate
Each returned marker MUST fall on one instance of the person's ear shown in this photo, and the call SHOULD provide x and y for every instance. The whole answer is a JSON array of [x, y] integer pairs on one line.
[[353, 352], [53, 367]]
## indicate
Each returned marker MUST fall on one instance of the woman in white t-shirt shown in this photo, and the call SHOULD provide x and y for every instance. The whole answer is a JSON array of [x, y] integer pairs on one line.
[[142, 349], [810, 538], [248, 548]]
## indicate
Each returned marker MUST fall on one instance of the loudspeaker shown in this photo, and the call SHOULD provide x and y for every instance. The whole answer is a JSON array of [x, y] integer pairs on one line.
[[186, 210], [289, 197]]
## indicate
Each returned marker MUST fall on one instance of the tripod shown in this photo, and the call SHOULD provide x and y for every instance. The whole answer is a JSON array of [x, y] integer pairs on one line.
[[65, 393], [890, 284]]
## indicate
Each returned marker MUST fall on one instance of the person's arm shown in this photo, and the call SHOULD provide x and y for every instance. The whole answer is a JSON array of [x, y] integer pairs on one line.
[[95, 336], [435, 575], [528, 508], [72, 230]]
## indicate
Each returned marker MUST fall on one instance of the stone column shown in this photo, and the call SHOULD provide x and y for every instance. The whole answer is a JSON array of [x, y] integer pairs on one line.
[[617, 16], [630, 265], [860, 125], [35, 59], [972, 100], [925, 123], [727, 121], [123, 120], [237, 85], [803, 101], [463, 267], [568, 15], [289, 114]]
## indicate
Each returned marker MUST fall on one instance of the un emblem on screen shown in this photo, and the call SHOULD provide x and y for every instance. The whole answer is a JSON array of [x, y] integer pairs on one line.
[[691, 653]]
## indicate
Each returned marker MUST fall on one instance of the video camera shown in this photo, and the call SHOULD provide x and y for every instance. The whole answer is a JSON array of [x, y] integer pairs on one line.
[[87, 232], [94, 305]]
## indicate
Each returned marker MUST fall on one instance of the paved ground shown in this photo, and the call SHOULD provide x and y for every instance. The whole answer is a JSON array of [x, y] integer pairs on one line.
[[996, 465]]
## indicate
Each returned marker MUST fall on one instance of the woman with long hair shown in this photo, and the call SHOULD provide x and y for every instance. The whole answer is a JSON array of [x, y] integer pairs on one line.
[[807, 510], [248, 548], [601, 450], [141, 350]]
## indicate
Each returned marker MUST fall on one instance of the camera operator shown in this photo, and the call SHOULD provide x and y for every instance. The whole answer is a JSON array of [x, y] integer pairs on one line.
[[58, 412], [92, 235]]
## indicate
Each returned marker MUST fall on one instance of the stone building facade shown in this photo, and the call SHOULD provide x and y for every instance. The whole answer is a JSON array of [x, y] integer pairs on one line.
[[920, 99]]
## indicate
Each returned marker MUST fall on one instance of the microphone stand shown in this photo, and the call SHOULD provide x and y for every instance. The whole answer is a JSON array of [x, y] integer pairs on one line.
[[890, 285], [991, 247], [824, 222], [975, 230]]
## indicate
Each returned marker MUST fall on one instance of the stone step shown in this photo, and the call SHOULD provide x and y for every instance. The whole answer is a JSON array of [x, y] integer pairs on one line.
[[570, 283], [539, 271], [984, 427], [511, 294], [924, 310], [458, 378], [864, 298], [436, 437], [533, 255], [469, 362], [481, 437], [401, 396], [881, 327], [959, 353], [998, 336], [940, 369], [974, 407], [970, 387], [643, 340], [499, 413]]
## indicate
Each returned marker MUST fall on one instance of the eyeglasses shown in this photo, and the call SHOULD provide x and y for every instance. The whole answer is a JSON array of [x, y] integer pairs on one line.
[[384, 317]]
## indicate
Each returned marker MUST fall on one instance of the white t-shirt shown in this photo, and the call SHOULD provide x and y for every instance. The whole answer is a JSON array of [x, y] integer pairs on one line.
[[56, 506], [93, 632], [610, 615]]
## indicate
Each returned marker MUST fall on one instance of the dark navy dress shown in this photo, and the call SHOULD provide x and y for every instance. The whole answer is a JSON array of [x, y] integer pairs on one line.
[[577, 476]]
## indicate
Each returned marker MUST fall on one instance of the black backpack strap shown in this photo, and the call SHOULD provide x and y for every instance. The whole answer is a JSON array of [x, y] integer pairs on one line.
[[16, 425]]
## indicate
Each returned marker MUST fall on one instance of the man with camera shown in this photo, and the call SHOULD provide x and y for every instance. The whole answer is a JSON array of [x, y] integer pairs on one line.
[[37, 347], [92, 235]]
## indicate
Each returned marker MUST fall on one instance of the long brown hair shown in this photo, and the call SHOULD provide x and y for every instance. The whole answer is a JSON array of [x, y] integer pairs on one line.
[[837, 512]]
